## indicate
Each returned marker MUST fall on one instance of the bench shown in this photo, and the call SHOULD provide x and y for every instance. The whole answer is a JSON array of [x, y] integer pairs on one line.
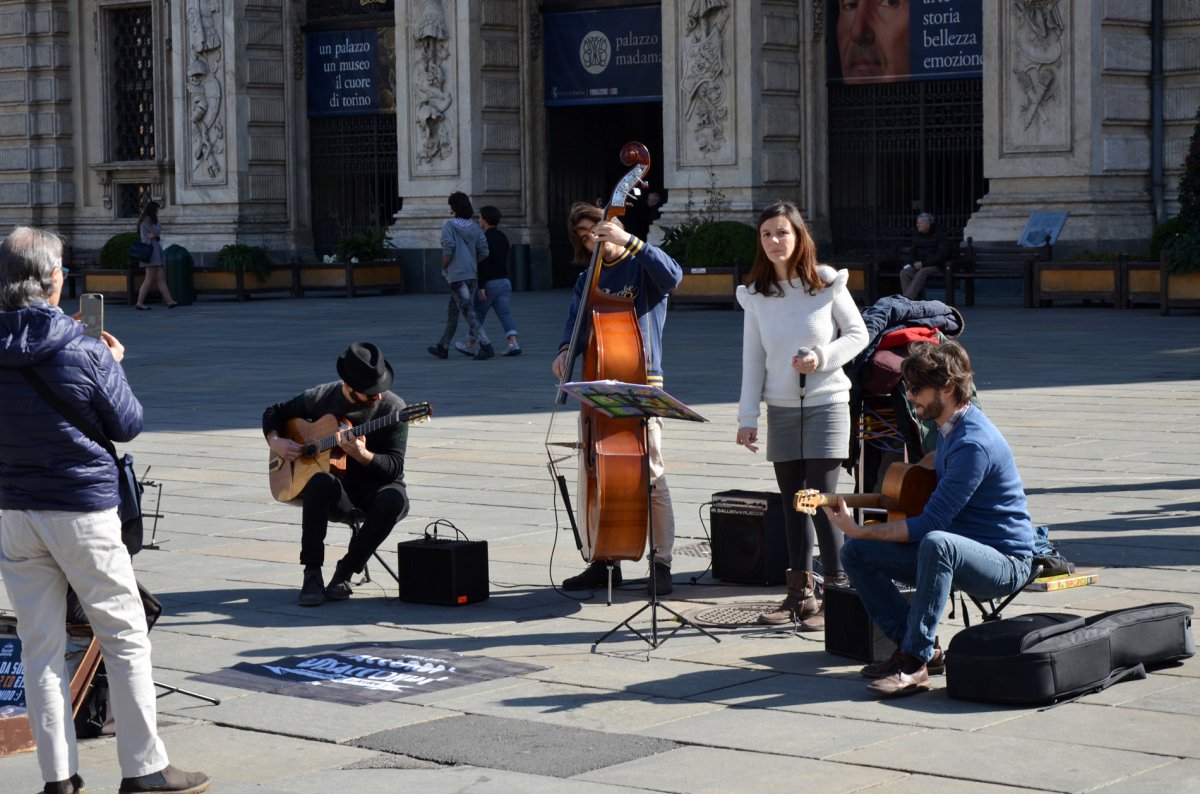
[[902, 253], [995, 261], [1076, 281]]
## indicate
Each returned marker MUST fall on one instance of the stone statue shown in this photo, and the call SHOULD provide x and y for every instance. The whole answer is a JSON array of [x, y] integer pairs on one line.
[[205, 91], [1038, 39], [704, 71], [431, 99]]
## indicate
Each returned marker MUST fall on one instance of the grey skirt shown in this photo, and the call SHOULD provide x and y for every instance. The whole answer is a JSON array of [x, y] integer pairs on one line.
[[812, 432]]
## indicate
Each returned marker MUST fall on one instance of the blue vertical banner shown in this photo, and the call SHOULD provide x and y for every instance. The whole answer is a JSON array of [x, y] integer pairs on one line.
[[872, 42], [343, 73], [604, 56]]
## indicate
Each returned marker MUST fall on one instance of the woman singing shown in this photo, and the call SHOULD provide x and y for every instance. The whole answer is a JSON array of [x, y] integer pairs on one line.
[[801, 327]]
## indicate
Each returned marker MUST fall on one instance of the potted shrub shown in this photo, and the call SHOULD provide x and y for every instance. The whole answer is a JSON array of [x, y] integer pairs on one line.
[[369, 245], [242, 258], [115, 275]]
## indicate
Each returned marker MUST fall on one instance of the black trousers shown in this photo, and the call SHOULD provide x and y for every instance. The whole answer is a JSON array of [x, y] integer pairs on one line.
[[326, 497], [801, 530]]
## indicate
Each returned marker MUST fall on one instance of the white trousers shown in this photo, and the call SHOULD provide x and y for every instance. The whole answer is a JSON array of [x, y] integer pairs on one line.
[[41, 552], [662, 514]]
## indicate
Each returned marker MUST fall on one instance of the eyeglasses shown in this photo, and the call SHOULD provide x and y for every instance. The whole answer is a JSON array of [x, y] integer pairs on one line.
[[913, 389]]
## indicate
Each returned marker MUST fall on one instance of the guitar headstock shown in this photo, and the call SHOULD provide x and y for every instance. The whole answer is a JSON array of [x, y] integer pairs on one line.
[[416, 413], [807, 501]]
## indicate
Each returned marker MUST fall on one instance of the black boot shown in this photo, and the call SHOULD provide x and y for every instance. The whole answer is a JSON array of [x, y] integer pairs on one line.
[[339, 586], [312, 593], [596, 575]]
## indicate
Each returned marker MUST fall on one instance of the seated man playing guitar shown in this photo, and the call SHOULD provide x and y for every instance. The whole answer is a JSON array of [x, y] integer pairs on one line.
[[974, 533], [373, 480]]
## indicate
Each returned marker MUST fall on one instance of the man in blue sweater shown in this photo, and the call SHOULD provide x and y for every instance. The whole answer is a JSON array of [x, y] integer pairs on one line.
[[632, 268], [974, 534]]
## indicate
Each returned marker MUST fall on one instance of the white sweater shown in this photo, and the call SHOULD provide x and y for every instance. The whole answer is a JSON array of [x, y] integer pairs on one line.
[[829, 323]]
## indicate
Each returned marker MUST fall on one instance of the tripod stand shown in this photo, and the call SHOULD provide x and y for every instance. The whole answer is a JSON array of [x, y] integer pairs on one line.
[[653, 604]]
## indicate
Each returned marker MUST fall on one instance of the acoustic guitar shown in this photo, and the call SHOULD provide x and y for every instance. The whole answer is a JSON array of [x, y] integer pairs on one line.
[[321, 451], [906, 489]]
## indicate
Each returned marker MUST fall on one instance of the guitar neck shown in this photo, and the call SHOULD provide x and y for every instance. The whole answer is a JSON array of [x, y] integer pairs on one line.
[[854, 500], [369, 427]]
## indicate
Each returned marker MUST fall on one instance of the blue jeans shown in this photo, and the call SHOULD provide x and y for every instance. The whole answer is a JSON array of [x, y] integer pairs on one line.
[[941, 560], [460, 303], [499, 296]]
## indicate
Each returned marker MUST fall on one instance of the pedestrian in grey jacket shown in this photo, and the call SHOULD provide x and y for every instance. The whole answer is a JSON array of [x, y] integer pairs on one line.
[[463, 248]]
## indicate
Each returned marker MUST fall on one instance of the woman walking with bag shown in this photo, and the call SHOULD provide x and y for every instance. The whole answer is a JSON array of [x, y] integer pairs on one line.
[[801, 326], [150, 231]]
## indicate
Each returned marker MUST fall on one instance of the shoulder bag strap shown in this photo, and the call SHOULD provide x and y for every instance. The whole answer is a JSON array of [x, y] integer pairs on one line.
[[68, 411]]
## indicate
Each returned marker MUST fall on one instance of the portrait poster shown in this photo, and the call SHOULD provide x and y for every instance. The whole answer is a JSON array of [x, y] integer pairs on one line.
[[871, 42]]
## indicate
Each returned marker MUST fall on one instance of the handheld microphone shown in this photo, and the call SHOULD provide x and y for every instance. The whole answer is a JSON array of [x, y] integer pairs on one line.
[[801, 353]]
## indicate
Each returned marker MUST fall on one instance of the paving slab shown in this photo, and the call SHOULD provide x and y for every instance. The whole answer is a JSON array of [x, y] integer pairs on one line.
[[1106, 454]]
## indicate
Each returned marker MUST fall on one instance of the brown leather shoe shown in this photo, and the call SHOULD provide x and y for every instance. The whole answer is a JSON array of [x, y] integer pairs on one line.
[[889, 666], [168, 779], [799, 604], [912, 677]]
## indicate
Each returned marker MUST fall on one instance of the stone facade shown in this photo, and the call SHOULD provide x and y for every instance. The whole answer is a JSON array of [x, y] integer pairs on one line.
[[1067, 109]]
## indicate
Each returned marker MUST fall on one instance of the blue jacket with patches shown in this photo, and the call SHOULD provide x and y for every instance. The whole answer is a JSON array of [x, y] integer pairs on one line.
[[647, 275], [45, 462]]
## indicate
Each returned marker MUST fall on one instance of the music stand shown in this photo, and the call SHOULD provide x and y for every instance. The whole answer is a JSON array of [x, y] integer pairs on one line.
[[639, 401]]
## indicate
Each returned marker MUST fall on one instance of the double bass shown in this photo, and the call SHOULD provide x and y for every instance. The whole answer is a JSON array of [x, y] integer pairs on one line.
[[614, 473]]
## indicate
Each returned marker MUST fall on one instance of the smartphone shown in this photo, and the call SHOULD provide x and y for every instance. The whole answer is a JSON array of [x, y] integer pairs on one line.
[[91, 313]]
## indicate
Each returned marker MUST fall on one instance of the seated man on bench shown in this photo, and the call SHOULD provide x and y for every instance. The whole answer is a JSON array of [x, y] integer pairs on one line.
[[974, 534], [928, 251]]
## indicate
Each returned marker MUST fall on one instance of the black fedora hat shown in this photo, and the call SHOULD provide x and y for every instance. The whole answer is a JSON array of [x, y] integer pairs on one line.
[[363, 368]]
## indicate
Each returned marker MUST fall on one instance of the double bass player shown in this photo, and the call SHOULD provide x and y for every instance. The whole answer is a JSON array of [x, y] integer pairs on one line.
[[632, 268]]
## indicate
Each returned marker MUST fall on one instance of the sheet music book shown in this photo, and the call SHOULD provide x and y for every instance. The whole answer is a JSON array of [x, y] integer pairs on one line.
[[618, 399]]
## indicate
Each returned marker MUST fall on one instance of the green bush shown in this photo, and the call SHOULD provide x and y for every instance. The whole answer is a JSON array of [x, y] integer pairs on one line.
[[366, 246], [1164, 235], [239, 258], [721, 244], [1183, 251], [115, 253]]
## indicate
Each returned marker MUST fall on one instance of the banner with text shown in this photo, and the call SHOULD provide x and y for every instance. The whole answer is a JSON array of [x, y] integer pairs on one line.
[[348, 73], [600, 57], [871, 42]]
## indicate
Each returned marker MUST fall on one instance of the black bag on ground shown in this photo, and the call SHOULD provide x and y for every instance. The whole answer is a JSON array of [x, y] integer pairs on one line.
[[1047, 657]]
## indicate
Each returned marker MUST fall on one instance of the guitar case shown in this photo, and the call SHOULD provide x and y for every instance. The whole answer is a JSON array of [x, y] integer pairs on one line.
[[1049, 657]]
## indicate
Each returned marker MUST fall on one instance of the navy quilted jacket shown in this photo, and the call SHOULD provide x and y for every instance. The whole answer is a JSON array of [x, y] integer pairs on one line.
[[45, 463]]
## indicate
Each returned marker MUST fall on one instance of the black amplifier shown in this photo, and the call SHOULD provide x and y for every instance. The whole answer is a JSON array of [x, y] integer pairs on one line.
[[748, 543], [849, 630], [447, 572]]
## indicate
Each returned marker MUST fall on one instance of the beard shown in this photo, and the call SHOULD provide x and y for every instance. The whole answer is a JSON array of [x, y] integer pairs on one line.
[[932, 410]]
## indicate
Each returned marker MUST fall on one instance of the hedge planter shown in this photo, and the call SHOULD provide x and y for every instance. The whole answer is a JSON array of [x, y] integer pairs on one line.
[[116, 286], [349, 277], [241, 285], [1179, 291], [1075, 281]]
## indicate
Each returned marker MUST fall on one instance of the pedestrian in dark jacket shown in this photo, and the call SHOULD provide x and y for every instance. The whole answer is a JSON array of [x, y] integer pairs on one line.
[[58, 521], [929, 250]]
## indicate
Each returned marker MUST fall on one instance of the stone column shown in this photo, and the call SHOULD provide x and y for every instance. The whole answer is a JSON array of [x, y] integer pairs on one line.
[[37, 157], [231, 136], [1046, 144], [734, 99]]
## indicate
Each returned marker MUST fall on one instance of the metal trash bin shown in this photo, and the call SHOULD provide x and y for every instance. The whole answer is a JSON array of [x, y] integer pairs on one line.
[[520, 268], [179, 263]]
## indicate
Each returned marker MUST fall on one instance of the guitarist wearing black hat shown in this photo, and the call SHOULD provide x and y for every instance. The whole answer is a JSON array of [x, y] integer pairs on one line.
[[373, 480]]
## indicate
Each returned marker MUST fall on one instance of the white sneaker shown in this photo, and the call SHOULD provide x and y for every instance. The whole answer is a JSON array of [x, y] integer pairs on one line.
[[464, 348], [513, 349]]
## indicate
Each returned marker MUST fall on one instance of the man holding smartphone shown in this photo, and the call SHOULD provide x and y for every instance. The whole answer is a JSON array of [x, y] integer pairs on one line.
[[59, 526]]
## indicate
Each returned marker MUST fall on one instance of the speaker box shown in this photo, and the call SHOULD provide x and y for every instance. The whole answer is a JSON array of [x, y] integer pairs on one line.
[[447, 572], [849, 630], [748, 544]]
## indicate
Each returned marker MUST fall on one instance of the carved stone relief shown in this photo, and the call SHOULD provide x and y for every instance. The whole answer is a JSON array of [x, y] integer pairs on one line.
[[431, 97], [1039, 89], [704, 87], [205, 92]]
